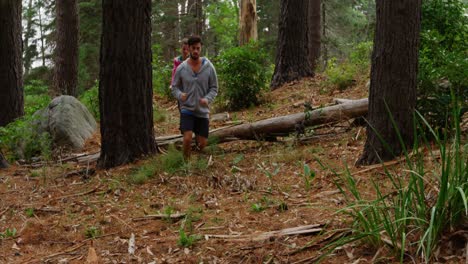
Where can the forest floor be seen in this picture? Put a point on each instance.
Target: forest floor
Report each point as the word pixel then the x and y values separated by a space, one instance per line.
pixel 228 210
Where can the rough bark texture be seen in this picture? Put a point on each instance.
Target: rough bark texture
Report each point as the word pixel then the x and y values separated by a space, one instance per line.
pixel 393 79
pixel 125 88
pixel 314 29
pixel 66 60
pixel 3 162
pixel 11 68
pixel 292 49
pixel 248 21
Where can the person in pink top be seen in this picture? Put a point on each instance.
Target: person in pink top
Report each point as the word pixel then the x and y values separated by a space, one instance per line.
pixel 179 59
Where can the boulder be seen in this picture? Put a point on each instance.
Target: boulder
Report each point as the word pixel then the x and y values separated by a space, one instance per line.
pixel 68 122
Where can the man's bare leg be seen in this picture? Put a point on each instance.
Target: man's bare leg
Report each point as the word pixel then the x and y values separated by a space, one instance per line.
pixel 187 144
pixel 202 142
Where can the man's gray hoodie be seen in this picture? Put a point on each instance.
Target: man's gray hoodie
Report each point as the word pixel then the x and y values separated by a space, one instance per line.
pixel 203 84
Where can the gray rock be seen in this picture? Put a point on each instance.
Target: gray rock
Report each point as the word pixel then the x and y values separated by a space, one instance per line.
pixel 68 121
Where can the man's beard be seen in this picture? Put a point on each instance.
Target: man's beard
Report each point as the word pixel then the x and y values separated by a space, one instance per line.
pixel 194 57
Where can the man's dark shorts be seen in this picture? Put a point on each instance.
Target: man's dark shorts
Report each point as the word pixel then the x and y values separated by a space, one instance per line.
pixel 199 125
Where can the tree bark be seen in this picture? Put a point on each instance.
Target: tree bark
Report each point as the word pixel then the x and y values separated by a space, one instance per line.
pixel 393 80
pixel 66 60
pixel 125 88
pixel 11 68
pixel 292 49
pixel 314 30
pixel 3 162
pixel 248 21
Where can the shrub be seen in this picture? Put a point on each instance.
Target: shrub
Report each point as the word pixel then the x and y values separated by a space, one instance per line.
pixel 162 72
pixel 36 97
pixel 21 140
pixel 244 72
pixel 90 99
pixel 343 75
pixel 443 59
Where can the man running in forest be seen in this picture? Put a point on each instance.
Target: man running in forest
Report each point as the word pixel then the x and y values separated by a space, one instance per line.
pixel 179 59
pixel 197 76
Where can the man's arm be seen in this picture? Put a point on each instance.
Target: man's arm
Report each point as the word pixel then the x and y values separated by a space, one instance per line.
pixel 212 85
pixel 176 84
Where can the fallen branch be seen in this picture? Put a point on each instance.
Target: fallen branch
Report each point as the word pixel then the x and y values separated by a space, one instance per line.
pixel 174 216
pixel 301 230
pixel 78 194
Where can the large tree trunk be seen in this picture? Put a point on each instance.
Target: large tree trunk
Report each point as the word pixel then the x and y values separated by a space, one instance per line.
pixel 314 29
pixel 3 162
pixel 393 80
pixel 66 57
pixel 125 88
pixel 292 48
pixel 247 21
pixel 11 68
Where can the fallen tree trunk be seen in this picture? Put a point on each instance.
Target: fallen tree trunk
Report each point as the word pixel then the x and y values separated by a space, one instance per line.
pixel 284 125
pixel 272 127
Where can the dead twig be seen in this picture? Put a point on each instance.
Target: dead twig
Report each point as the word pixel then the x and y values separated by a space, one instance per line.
pixel 78 194
pixel 174 216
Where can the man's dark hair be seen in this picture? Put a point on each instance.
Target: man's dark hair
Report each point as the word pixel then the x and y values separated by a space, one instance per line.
pixel 194 40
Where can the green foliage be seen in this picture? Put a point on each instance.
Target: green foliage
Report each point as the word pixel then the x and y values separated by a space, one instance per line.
pixel 308 176
pixel 29 212
pixel 224 23
pixel 8 233
pixel 90 99
pixel 244 72
pixel 92 232
pixel 173 161
pixel 144 173
pixel 22 140
pixel 36 97
pixel 443 63
pixel 185 240
pixel 413 216
pixel 257 207
pixel 162 72
pixel 343 75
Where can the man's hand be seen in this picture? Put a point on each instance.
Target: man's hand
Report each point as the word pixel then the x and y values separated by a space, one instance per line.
pixel 183 97
pixel 204 102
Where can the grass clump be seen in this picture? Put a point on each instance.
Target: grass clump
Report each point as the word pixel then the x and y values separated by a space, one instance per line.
pixel 421 206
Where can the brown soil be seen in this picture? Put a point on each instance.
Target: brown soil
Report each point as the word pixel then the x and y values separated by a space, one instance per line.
pixel 219 200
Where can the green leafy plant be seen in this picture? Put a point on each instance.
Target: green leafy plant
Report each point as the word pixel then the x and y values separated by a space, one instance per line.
pixel 244 72
pixel 343 74
pixel 185 240
pixel 8 233
pixel 442 60
pixel 90 99
pixel 29 212
pixel 162 71
pixel 308 176
pixel 92 232
pixel 22 139
pixel 257 207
